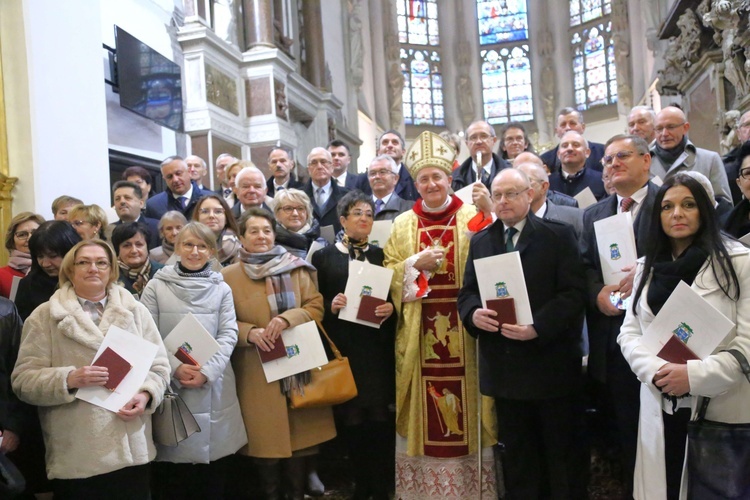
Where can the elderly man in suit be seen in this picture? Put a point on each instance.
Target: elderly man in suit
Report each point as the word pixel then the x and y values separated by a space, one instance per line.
pixel 571 119
pixel 533 370
pixel 542 206
pixel 481 138
pixel 181 194
pixel 281 166
pixel 383 175
pixel 251 191
pixel 628 159
pixel 222 163
pixel 323 192
pixel 392 144
pixel 673 152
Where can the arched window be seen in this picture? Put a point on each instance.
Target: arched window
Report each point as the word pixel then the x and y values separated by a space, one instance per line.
pixel 594 72
pixel 420 62
pixel 506 68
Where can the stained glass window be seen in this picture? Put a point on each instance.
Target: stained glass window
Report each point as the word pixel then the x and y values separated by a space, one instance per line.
pixel 583 11
pixel 502 21
pixel 417 22
pixel 506 68
pixel 594 71
pixel 423 87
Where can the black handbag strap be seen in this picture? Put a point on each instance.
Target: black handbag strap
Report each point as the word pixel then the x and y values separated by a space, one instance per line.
pixel 744 365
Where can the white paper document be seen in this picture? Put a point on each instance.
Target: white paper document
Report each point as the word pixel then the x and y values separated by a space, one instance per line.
pixel 615 242
pixel 304 350
pixel 502 276
pixel 14 288
pixel 381 231
pixel 745 240
pixel 195 340
pixel 328 234
pixel 657 180
pixel 364 279
pixel 464 194
pixel 585 198
pixel 316 245
pixel 138 352
pixel 696 322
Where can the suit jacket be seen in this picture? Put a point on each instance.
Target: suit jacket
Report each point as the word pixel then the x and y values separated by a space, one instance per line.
pixel 548 366
pixel 603 330
pixel 465 174
pixel 352 181
pixel 395 207
pixel 590 178
pixel 699 160
pixel 327 214
pixel 161 203
pixel 561 199
pixel 593 162
pixel 404 188
pixel 293 183
pixel 732 168
pixel 569 215
pixel 154 239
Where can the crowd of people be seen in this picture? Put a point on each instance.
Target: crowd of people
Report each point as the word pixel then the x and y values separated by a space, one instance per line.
pixel 442 381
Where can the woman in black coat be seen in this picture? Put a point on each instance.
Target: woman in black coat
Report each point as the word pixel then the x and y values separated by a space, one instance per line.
pixel 366 420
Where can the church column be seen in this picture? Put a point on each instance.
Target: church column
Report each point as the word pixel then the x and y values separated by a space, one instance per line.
pixel 313 34
pixel 258 18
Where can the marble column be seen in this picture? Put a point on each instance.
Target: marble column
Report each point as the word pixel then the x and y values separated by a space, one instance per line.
pixel 258 18
pixel 314 70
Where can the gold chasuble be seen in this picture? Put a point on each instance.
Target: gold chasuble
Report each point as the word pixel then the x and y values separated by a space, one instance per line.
pixel 436 366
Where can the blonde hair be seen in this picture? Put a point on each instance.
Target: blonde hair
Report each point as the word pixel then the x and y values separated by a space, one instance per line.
pixel 93 214
pixel 68 262
pixel 295 196
pixel 200 231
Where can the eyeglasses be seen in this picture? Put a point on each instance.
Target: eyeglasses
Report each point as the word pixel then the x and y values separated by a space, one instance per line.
pixel 379 173
pixel 23 235
pixel 79 223
pixel 669 128
pixel 509 196
pixel 620 155
pixel 101 265
pixel 188 247
pixel 290 210
pixel 480 137
pixel 209 211
pixel 745 173
pixel 360 213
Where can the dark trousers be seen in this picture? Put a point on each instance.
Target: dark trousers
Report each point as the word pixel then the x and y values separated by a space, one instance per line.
pixel 190 481
pixel 544 453
pixel 675 435
pixel 130 483
pixel 624 389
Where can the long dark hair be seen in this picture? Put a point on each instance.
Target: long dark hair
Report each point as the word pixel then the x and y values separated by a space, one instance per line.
pixel 55 237
pixel 708 238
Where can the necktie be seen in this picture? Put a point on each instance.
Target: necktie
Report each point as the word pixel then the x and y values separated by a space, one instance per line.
pixel 626 204
pixel 319 197
pixel 509 233
pixel 378 205
pixel 485 177
pixel 227 192
pixel 183 201
pixel 95 310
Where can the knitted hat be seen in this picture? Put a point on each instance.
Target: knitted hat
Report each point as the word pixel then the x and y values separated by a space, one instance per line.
pixel 429 150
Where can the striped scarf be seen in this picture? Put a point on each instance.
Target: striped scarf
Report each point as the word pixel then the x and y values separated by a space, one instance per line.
pixel 139 275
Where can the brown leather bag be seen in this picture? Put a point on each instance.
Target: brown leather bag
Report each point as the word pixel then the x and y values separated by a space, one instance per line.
pixel 331 384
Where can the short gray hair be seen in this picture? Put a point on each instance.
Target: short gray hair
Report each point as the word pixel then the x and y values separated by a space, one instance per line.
pixel 391 163
pixel 247 171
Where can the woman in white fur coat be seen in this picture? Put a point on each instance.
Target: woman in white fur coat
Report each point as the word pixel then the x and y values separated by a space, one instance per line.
pixel 685 245
pixel 91 452
pixel 198 466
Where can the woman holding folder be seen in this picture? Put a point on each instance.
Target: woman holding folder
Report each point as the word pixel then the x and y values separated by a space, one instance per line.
pixel 91 452
pixel 273 290
pixel 198 466
pixel 367 423
pixel 685 244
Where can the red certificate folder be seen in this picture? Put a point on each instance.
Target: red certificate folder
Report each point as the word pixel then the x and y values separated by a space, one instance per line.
pixel 117 366
pixel 185 357
pixel 278 351
pixel 676 351
pixel 367 306
pixel 505 308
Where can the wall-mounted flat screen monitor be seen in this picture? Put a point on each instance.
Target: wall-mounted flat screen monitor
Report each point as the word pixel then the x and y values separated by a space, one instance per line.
pixel 149 83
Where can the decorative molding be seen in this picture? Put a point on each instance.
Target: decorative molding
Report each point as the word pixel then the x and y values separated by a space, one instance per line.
pixel 621 39
pixel 221 90
pixel 683 51
pixel 356 45
pixel 395 79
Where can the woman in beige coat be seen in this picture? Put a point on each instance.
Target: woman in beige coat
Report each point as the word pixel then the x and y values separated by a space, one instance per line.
pixel 276 434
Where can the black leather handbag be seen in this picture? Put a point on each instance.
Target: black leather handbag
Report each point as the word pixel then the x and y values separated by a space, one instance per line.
pixel 718 454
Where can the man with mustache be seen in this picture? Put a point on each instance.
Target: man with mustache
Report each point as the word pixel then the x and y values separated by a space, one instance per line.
pixel 128 203
pixel 280 164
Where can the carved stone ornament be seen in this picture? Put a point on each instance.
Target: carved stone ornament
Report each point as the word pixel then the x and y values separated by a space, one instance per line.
pixel 730 140
pixel 683 51
pixel 221 90
pixel 393 62
pixel 724 17
pixel 548 82
pixel 280 95
pixel 621 38
pixel 356 46
pixel 464 87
